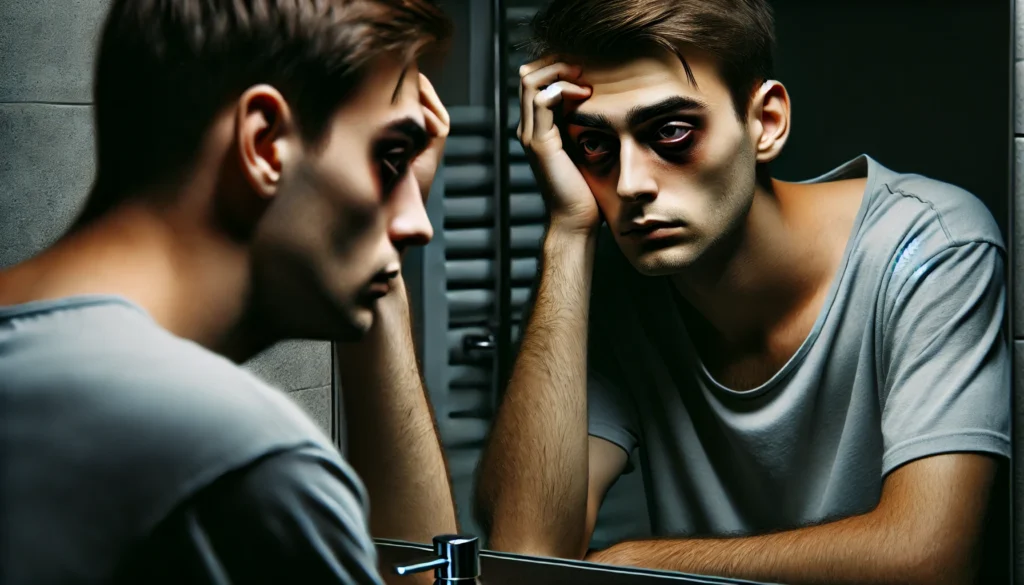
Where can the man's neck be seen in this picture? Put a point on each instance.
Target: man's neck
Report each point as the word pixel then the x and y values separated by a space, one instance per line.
pixel 191 281
pixel 754 281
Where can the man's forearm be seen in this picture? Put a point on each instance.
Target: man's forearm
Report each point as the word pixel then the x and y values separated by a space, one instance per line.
pixel 533 480
pixel 862 550
pixel 392 437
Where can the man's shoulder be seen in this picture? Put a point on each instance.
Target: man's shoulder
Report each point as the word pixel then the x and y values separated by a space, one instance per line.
pixel 103 352
pixel 136 396
pixel 930 211
pixel 121 421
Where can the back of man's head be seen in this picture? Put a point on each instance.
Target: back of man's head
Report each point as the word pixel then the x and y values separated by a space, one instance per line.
pixel 739 34
pixel 166 68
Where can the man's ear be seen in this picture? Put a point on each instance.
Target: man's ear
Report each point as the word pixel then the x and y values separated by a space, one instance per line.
pixel 768 119
pixel 265 138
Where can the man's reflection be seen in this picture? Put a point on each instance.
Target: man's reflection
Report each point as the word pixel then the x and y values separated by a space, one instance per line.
pixel 815 373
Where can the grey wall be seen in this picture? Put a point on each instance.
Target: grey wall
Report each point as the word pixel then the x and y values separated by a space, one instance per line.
pixel 47 162
pixel 1017 308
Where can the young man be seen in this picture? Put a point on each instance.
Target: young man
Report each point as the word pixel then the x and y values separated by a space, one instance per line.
pixel 816 373
pixel 261 168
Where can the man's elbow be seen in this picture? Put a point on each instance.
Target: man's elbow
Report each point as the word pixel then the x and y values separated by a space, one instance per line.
pixel 932 563
pixel 509 534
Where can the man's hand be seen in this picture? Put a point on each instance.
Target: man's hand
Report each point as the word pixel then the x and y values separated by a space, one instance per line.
pixel 438 124
pixel 545 85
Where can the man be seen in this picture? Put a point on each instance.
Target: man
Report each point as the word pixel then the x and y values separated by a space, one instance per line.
pixel 815 373
pixel 261 168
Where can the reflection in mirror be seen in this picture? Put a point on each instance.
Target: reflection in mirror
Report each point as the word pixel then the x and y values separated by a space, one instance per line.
pixel 765 337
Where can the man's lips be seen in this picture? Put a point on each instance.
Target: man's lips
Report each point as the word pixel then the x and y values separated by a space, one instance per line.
pixel 381 284
pixel 379 289
pixel 650 227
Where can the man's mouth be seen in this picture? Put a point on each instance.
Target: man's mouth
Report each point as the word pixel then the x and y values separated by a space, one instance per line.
pixel 383 282
pixel 653 229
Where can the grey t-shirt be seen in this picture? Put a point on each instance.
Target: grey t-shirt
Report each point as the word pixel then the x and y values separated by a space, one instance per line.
pixel 129 455
pixel 907 359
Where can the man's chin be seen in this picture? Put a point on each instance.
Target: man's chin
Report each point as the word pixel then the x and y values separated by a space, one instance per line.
pixel 360 321
pixel 664 262
pixel 352 324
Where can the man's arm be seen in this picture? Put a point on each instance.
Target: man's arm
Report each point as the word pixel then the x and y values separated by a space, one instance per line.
pixel 392 437
pixel 533 478
pixel 532 488
pixel 925 530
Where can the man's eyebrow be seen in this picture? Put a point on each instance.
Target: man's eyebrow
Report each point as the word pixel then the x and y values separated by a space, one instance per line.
pixel 588 120
pixel 412 130
pixel 642 114
pixel 638 115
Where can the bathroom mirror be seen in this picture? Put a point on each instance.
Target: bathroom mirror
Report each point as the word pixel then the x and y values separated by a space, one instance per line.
pixel 921 86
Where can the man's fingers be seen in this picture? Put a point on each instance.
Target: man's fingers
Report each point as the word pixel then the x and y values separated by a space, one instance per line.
pixel 546 100
pixel 530 68
pixel 435 125
pixel 559 91
pixel 545 76
pixel 432 103
pixel 536 76
pixel 535 65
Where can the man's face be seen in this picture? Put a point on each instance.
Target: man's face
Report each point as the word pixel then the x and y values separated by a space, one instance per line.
pixel 330 244
pixel 671 165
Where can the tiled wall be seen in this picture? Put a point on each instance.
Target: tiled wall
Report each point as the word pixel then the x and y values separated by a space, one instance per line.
pixel 47 163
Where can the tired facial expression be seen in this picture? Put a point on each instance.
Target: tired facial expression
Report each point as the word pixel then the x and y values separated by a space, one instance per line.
pixel 329 245
pixel 671 164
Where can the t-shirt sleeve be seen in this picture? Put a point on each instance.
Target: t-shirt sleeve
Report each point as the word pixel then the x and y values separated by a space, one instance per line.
pixel 611 412
pixel 611 415
pixel 945 361
pixel 292 517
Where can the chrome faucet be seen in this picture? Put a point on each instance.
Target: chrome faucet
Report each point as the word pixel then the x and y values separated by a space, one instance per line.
pixel 456 561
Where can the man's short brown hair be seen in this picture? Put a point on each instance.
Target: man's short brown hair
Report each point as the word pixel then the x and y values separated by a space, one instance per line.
pixel 739 34
pixel 166 67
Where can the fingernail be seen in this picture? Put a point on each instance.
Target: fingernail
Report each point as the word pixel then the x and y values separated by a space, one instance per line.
pixel 551 92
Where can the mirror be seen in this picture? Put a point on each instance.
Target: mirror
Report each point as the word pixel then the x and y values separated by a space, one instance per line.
pixel 920 87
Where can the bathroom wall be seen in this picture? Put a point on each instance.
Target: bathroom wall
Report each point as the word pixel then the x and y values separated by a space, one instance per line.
pixel 47 162
pixel 1017 284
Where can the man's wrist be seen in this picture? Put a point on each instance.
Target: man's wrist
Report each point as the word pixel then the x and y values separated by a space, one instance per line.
pixel 562 234
pixel 392 321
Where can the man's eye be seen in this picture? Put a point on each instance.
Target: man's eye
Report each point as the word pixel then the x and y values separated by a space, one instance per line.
pixel 593 146
pixel 394 164
pixel 673 133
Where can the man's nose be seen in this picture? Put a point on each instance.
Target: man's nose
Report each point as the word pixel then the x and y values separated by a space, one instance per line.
pixel 409 224
pixel 636 181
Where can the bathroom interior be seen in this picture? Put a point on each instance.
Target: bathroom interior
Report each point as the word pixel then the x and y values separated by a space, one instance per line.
pixel 923 86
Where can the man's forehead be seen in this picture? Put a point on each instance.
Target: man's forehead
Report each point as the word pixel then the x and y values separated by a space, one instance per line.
pixel 405 96
pixel 646 81
pixel 408 85
pixel 387 83
pixel 389 92
pixel 643 104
